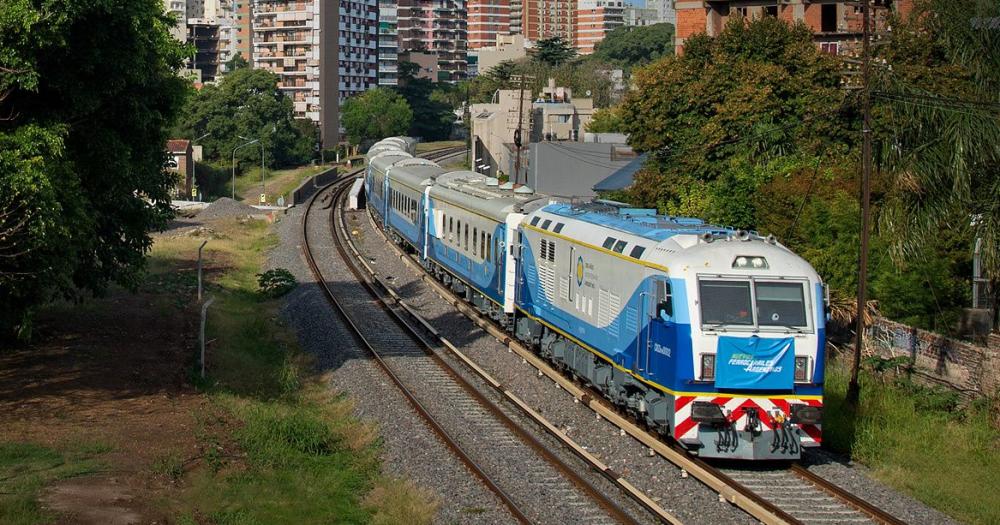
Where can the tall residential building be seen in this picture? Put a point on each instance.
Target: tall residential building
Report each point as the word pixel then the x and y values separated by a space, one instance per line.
pixel 438 27
pixel 487 19
pixel 207 25
pixel 665 11
pixel 595 19
pixel 836 24
pixel 388 43
pixel 297 40
pixel 517 17
pixel 358 38
pixel 243 33
pixel 548 18
pixel 639 16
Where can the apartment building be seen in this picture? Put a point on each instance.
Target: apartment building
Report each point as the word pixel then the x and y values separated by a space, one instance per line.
pixel 548 18
pixel 593 20
pixel 297 40
pixel 486 20
pixel 438 27
pixel 242 29
pixel 503 48
pixel 836 24
pixel 641 16
pixel 664 10
pixel 388 43
pixel 208 26
pixel 358 39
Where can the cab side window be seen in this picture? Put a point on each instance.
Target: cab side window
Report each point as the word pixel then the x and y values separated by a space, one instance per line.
pixel 664 301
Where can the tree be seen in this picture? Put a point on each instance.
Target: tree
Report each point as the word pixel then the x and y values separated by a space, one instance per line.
pixel 608 120
pixel 432 115
pixel 87 90
pixel 939 130
pixel 554 51
pixel 237 62
pixel 375 114
pixel 735 103
pixel 629 47
pixel 248 103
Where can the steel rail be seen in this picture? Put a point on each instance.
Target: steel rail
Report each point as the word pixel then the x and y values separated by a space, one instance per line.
pixel 435 426
pixel 727 488
pixel 373 283
pixel 643 500
pixel 873 512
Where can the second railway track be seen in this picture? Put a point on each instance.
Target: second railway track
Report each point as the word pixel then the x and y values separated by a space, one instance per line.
pixel 531 480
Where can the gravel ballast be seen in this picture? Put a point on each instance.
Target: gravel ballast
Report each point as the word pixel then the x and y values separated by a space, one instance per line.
pixel 687 498
pixel 415 453
pixel 226 207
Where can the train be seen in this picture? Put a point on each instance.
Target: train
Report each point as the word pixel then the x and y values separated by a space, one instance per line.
pixel 711 336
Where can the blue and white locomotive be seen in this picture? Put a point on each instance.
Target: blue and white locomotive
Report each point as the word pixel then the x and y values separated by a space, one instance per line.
pixel 711 336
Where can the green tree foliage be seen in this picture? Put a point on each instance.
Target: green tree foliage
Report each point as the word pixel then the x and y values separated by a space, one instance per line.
pixel 237 62
pixel 730 106
pixel 248 103
pixel 554 51
pixel 627 47
pixel 938 126
pixel 86 92
pixel 580 75
pixel 432 114
pixel 375 114
pixel 608 120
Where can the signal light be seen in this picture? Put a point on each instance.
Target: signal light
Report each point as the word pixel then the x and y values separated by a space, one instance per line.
pixel 708 367
pixel 801 369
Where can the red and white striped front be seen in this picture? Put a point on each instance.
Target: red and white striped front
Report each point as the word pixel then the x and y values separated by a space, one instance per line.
pixel 734 408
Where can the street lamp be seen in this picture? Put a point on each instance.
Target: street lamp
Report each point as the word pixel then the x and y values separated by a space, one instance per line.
pixel 241 146
pixel 261 161
pixel 194 163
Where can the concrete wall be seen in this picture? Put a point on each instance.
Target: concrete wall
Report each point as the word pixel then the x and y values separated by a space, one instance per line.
pixel 970 369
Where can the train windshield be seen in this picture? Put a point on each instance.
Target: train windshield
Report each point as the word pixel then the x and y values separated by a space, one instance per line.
pixel 780 304
pixel 726 302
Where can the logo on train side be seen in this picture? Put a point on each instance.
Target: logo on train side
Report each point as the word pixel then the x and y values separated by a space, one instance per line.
pixel 579 271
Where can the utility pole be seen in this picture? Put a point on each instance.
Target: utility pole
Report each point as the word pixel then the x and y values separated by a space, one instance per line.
pixel 517 133
pixel 853 388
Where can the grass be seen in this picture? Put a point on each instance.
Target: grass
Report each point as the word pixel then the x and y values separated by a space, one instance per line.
pixel 26 468
pixel 302 456
pixel 276 182
pixel 921 441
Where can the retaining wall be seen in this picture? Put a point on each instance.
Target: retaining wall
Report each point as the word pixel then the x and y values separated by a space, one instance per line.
pixel 310 185
pixel 972 370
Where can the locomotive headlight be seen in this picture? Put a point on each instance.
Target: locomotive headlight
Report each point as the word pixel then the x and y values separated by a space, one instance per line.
pixel 747 261
pixel 806 414
pixel 801 369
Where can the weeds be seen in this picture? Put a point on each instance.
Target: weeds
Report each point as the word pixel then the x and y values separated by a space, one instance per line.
pixel 303 457
pixel 919 440
pixel 170 466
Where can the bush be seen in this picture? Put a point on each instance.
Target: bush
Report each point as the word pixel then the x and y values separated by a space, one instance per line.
pixel 276 282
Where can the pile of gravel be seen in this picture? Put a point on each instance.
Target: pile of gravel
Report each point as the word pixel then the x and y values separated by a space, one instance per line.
pixel 226 207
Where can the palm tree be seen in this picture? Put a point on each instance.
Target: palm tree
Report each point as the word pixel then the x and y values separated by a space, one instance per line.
pixel 939 127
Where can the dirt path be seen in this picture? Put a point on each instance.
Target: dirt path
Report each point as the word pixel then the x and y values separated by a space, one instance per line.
pixel 112 373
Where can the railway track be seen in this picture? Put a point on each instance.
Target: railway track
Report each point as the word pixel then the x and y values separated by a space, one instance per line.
pixel 466 420
pixel 788 494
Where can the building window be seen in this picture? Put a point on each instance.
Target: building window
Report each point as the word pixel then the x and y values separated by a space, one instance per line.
pixel 828 18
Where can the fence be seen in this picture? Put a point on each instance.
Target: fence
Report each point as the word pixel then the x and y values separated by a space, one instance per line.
pixel 970 369
pixel 310 185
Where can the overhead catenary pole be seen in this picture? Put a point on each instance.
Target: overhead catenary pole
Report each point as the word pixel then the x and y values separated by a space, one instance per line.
pixel 853 388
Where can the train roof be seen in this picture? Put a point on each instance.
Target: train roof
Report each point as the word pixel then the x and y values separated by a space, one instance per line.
pixel 485 195
pixel 415 175
pixel 636 221
pixel 385 159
